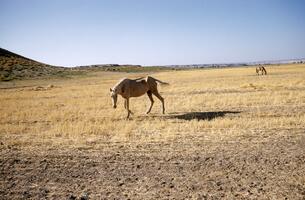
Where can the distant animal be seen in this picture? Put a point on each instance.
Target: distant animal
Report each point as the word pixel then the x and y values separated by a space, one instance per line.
pixel 261 69
pixel 128 88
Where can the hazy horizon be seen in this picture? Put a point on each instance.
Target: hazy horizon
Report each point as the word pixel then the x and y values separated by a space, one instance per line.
pixel 74 33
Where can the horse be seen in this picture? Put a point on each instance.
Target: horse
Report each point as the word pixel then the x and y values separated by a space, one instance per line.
pixel 128 88
pixel 261 69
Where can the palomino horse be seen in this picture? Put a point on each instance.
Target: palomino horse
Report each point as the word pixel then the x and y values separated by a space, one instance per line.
pixel 134 88
pixel 261 69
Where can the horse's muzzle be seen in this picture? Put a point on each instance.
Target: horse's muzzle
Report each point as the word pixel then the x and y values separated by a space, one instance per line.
pixel 114 106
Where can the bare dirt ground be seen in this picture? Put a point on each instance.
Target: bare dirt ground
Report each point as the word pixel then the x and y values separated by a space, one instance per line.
pixel 268 166
pixel 225 151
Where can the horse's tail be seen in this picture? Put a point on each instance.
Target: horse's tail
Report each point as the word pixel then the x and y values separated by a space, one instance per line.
pixel 161 82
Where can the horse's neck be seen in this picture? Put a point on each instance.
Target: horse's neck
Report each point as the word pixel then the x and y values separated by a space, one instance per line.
pixel 119 86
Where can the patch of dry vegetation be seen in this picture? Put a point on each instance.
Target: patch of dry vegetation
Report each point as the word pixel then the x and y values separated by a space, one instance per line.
pixel 227 101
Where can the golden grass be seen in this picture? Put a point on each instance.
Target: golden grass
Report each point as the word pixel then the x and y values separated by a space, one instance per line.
pixel 77 112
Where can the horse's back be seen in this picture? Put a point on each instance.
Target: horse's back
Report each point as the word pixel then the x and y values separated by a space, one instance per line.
pixel 137 87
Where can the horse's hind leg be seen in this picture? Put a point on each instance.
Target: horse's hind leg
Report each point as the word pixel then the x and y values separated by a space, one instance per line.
pixel 149 94
pixel 156 93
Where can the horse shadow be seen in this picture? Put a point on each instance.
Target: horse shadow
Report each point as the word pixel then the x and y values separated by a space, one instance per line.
pixel 201 115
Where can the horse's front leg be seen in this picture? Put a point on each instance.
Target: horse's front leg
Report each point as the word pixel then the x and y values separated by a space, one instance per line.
pixel 127 108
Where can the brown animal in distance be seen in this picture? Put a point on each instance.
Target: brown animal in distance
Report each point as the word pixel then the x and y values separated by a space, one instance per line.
pixel 128 88
pixel 261 69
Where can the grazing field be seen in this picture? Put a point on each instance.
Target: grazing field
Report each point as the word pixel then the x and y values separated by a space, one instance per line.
pixel 226 134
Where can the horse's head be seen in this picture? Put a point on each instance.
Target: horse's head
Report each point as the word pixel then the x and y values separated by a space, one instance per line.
pixel 114 97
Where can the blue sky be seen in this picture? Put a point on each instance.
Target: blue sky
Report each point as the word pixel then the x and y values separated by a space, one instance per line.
pixel 153 32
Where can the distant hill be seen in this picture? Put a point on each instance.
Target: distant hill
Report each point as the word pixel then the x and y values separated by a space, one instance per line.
pixel 119 68
pixel 14 66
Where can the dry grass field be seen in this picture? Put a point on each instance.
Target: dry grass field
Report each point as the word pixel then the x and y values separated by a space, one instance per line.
pixel 226 134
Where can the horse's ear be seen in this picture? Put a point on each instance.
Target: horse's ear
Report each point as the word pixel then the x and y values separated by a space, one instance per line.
pixel 110 89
